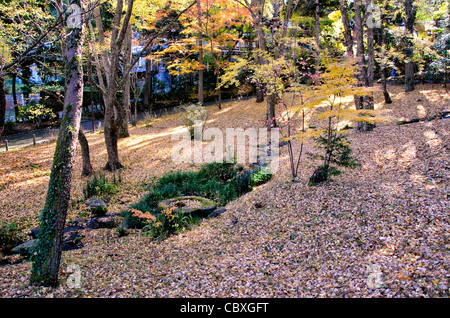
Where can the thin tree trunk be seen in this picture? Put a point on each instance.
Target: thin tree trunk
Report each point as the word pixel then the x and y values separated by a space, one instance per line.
pixel 368 99
pixel 47 256
pixel 87 167
pixel 362 74
pixel 387 97
pixel 317 34
pixel 409 51
pixel 14 95
pixel 347 28
pixel 113 110
pixel 257 14
pixel 200 53
pixel 2 100
pixel 123 129
pixel 148 86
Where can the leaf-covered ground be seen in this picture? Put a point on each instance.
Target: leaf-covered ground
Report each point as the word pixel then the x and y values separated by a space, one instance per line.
pixel 380 230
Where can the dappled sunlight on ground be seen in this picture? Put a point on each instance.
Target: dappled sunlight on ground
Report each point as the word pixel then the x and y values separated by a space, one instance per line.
pixel 304 241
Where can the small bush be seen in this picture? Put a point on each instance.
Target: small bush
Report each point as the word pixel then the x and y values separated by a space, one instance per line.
pixel 100 185
pixel 10 236
pixel 223 171
pixel 166 222
pixel 260 176
pixel 36 113
pixel 9 126
pixel 337 154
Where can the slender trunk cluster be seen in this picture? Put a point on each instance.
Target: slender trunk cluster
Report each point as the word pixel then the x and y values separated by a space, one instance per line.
pixel 116 114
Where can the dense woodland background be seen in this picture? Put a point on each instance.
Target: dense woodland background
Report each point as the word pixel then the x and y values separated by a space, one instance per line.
pixel 357 90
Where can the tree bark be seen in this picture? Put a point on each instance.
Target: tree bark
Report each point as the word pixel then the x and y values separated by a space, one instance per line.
pixel 87 167
pixel 47 256
pixel 370 74
pixel 2 100
pixel 114 111
pixel 123 129
pixel 200 53
pixel 317 34
pixel 347 28
pixel 14 95
pixel 257 13
pixel 148 86
pixel 387 97
pixel 362 74
pixel 409 51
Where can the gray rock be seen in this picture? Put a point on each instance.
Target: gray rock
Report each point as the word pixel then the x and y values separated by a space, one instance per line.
pixel 104 222
pixel 25 248
pixel 97 206
pixel 34 232
pixel 217 212
pixel 96 202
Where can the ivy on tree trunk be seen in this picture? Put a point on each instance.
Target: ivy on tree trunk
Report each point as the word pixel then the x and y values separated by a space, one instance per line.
pixel 47 255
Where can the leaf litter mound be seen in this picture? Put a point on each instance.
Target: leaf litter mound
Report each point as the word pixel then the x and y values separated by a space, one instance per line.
pixel 380 230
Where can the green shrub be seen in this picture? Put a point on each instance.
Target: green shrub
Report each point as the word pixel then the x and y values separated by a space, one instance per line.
pixel 337 154
pixel 10 236
pixel 260 176
pixel 36 113
pixel 99 184
pixel 9 125
pixel 132 222
pixel 222 171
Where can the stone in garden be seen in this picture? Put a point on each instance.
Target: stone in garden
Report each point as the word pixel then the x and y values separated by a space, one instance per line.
pixel 25 248
pixel 104 222
pixel 97 206
pixel 217 212
pixel 193 205
pixel 72 241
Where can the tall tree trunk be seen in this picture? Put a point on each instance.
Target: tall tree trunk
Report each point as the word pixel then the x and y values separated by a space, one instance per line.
pixel 2 100
pixel 114 111
pixel 317 34
pixel 387 97
pixel 123 129
pixel 87 167
pixel 362 74
pixel 347 28
pixel 409 51
pixel 47 256
pixel 368 100
pixel 148 86
pixel 257 14
pixel 14 95
pixel 200 53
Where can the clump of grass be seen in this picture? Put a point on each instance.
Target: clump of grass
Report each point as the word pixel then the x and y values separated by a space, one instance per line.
pixel 100 185
pixel 10 236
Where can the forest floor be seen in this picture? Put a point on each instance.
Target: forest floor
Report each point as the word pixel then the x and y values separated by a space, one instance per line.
pixel 378 230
